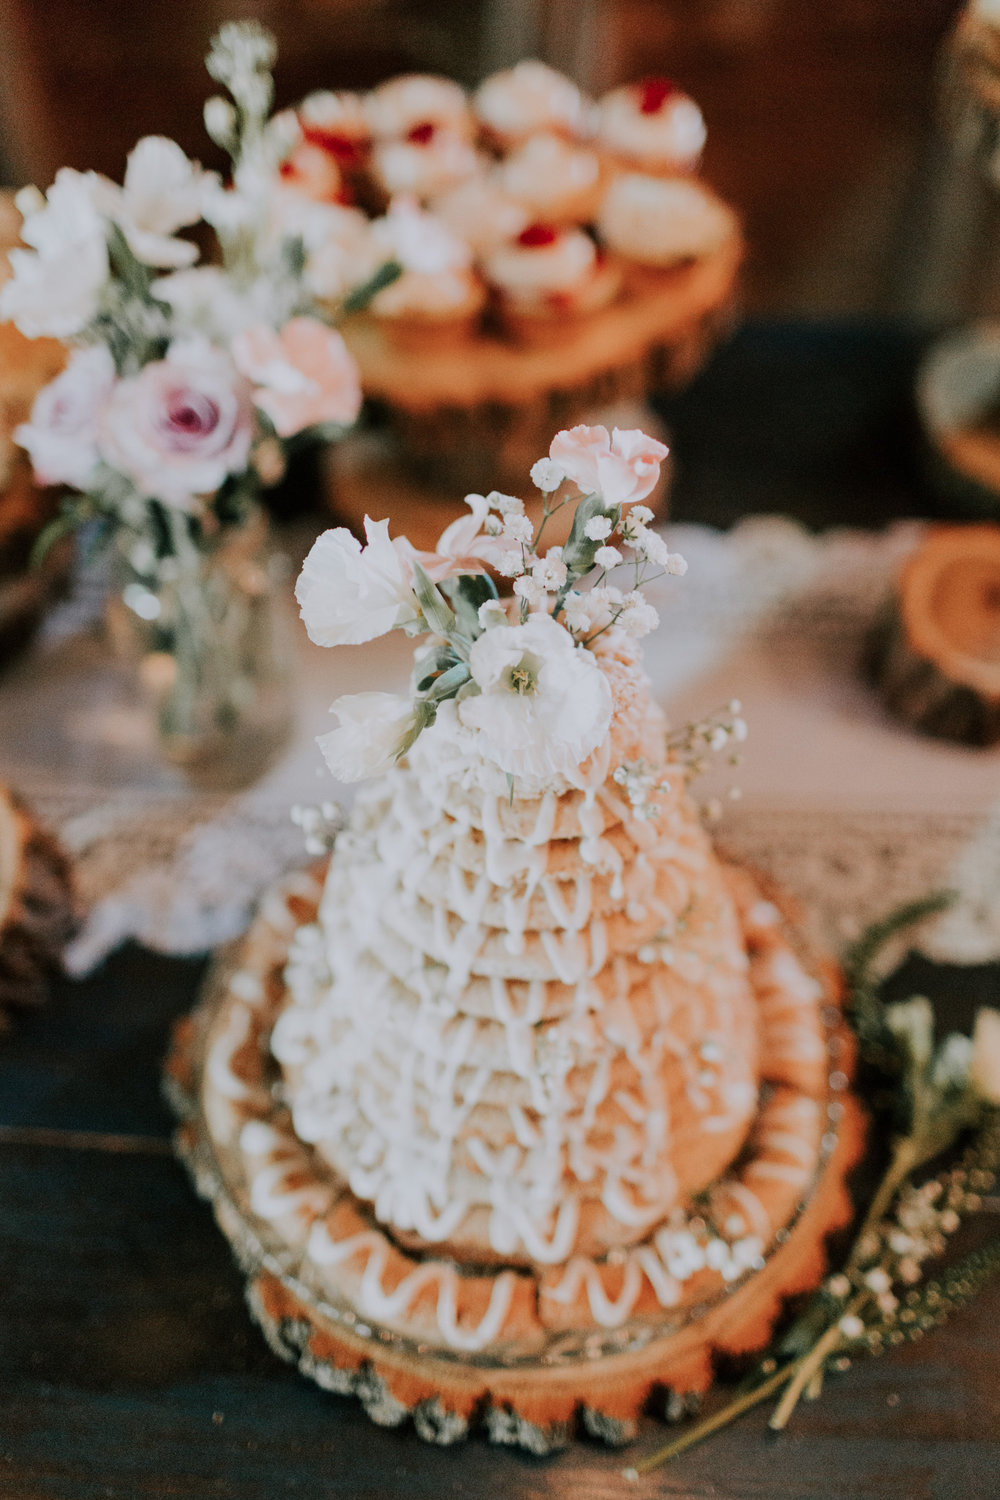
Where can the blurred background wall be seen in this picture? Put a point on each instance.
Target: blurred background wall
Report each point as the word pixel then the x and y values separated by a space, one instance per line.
pixel 821 117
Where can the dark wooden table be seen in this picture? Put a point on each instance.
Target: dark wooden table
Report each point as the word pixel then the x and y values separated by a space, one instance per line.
pixel 128 1364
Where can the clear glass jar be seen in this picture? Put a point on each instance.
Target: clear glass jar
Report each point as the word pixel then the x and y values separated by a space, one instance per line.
pixel 213 659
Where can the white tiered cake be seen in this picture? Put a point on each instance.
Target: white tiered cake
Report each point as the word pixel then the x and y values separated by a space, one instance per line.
pixel 534 1104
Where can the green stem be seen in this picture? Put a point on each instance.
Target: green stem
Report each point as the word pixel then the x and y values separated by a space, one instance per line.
pixel 811 1364
pixel 721 1418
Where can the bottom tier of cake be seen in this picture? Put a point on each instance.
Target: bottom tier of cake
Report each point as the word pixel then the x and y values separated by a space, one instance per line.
pixel 526 1354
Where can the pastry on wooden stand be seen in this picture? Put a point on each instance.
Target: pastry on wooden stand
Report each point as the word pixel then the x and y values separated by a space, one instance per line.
pixel 526 1106
pixel 36 906
pixel 935 655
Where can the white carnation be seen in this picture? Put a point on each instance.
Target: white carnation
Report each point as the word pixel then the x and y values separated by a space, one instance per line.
pixel 544 704
pixel 369 736
pixel 349 594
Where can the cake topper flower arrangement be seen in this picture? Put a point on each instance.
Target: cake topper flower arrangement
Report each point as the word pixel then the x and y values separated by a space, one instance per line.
pixel 517 682
pixel 187 376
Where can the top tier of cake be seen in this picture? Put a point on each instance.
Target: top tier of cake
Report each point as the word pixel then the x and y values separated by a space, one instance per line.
pixel 522 1026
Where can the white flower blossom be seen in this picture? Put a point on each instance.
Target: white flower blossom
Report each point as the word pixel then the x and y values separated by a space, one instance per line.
pixel 638 617
pixel 530 590
pixel 597 529
pixel 163 191
pixel 604 602
pixel 61 436
pixel 576 612
pixel 546 475
pixel 220 121
pixel 369 736
pixel 519 529
pixel 550 572
pixel 607 557
pixel 640 514
pixel 676 565
pixel 349 594
pixel 507 505
pixel 55 288
pixel 544 704
pixel 510 564
pixel 491 613
pixel 651 546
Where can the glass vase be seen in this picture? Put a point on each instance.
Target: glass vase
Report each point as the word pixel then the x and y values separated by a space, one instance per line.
pixel 213 658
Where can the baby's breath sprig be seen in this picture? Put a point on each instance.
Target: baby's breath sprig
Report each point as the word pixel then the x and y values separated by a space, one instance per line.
pixel 876 1301
pixel 320 825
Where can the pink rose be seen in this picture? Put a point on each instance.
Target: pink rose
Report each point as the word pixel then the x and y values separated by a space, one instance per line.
pixel 621 468
pixel 302 376
pixel 61 437
pixel 180 426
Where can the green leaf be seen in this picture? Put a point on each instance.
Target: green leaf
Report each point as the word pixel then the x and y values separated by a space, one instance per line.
pixel 578 553
pixel 448 684
pixel 136 277
pixel 433 606
pixel 468 592
pixel 359 299
pixel 424 714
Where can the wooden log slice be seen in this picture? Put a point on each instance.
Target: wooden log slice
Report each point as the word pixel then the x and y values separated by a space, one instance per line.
pixel 935 654
pixel 36 906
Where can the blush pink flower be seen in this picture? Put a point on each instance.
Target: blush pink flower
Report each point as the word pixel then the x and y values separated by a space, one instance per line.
pixel 302 376
pixel 621 468
pixel 181 426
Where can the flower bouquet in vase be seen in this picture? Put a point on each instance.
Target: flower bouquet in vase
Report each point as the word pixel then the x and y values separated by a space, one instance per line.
pixel 189 379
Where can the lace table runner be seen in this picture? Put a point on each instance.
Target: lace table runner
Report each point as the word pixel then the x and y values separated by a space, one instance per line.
pixel 848 810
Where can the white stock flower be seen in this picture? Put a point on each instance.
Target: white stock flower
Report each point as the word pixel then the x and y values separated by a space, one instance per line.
pixel 546 475
pixel 984 1069
pixel 61 435
pixel 348 594
pixel 597 529
pixel 368 738
pixel 544 703
pixel 163 191
pixel 56 286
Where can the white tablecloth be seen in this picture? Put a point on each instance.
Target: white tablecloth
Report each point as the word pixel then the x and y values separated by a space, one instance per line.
pixel 849 810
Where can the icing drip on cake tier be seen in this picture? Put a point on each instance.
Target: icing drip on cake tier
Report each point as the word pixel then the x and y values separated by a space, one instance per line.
pixel 522 1028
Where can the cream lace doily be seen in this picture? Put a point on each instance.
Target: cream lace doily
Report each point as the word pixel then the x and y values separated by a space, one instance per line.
pixel 848 810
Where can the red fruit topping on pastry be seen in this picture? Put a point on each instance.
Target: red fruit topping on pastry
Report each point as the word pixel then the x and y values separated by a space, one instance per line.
pixel 654 93
pixel 538 235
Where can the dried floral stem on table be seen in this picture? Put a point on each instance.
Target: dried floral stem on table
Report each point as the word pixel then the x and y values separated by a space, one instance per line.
pixel 879 1298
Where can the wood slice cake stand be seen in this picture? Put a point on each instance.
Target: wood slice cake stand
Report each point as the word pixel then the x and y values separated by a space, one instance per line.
pixel 36 906
pixel 318 1263
pixel 476 416
pixel 935 654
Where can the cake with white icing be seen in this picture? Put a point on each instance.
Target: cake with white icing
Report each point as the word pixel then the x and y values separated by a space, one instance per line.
pixel 527 1072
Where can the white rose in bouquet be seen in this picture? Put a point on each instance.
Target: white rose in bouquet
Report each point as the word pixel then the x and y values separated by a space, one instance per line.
pixel 61 437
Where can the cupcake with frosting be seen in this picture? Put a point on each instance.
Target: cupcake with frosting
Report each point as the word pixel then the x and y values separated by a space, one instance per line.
pixel 437 299
pixel 402 104
pixel 481 213
pixel 427 161
pixel 554 180
pixel 654 225
pixel 526 99
pixel 650 127
pixel 336 123
pixel 548 281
